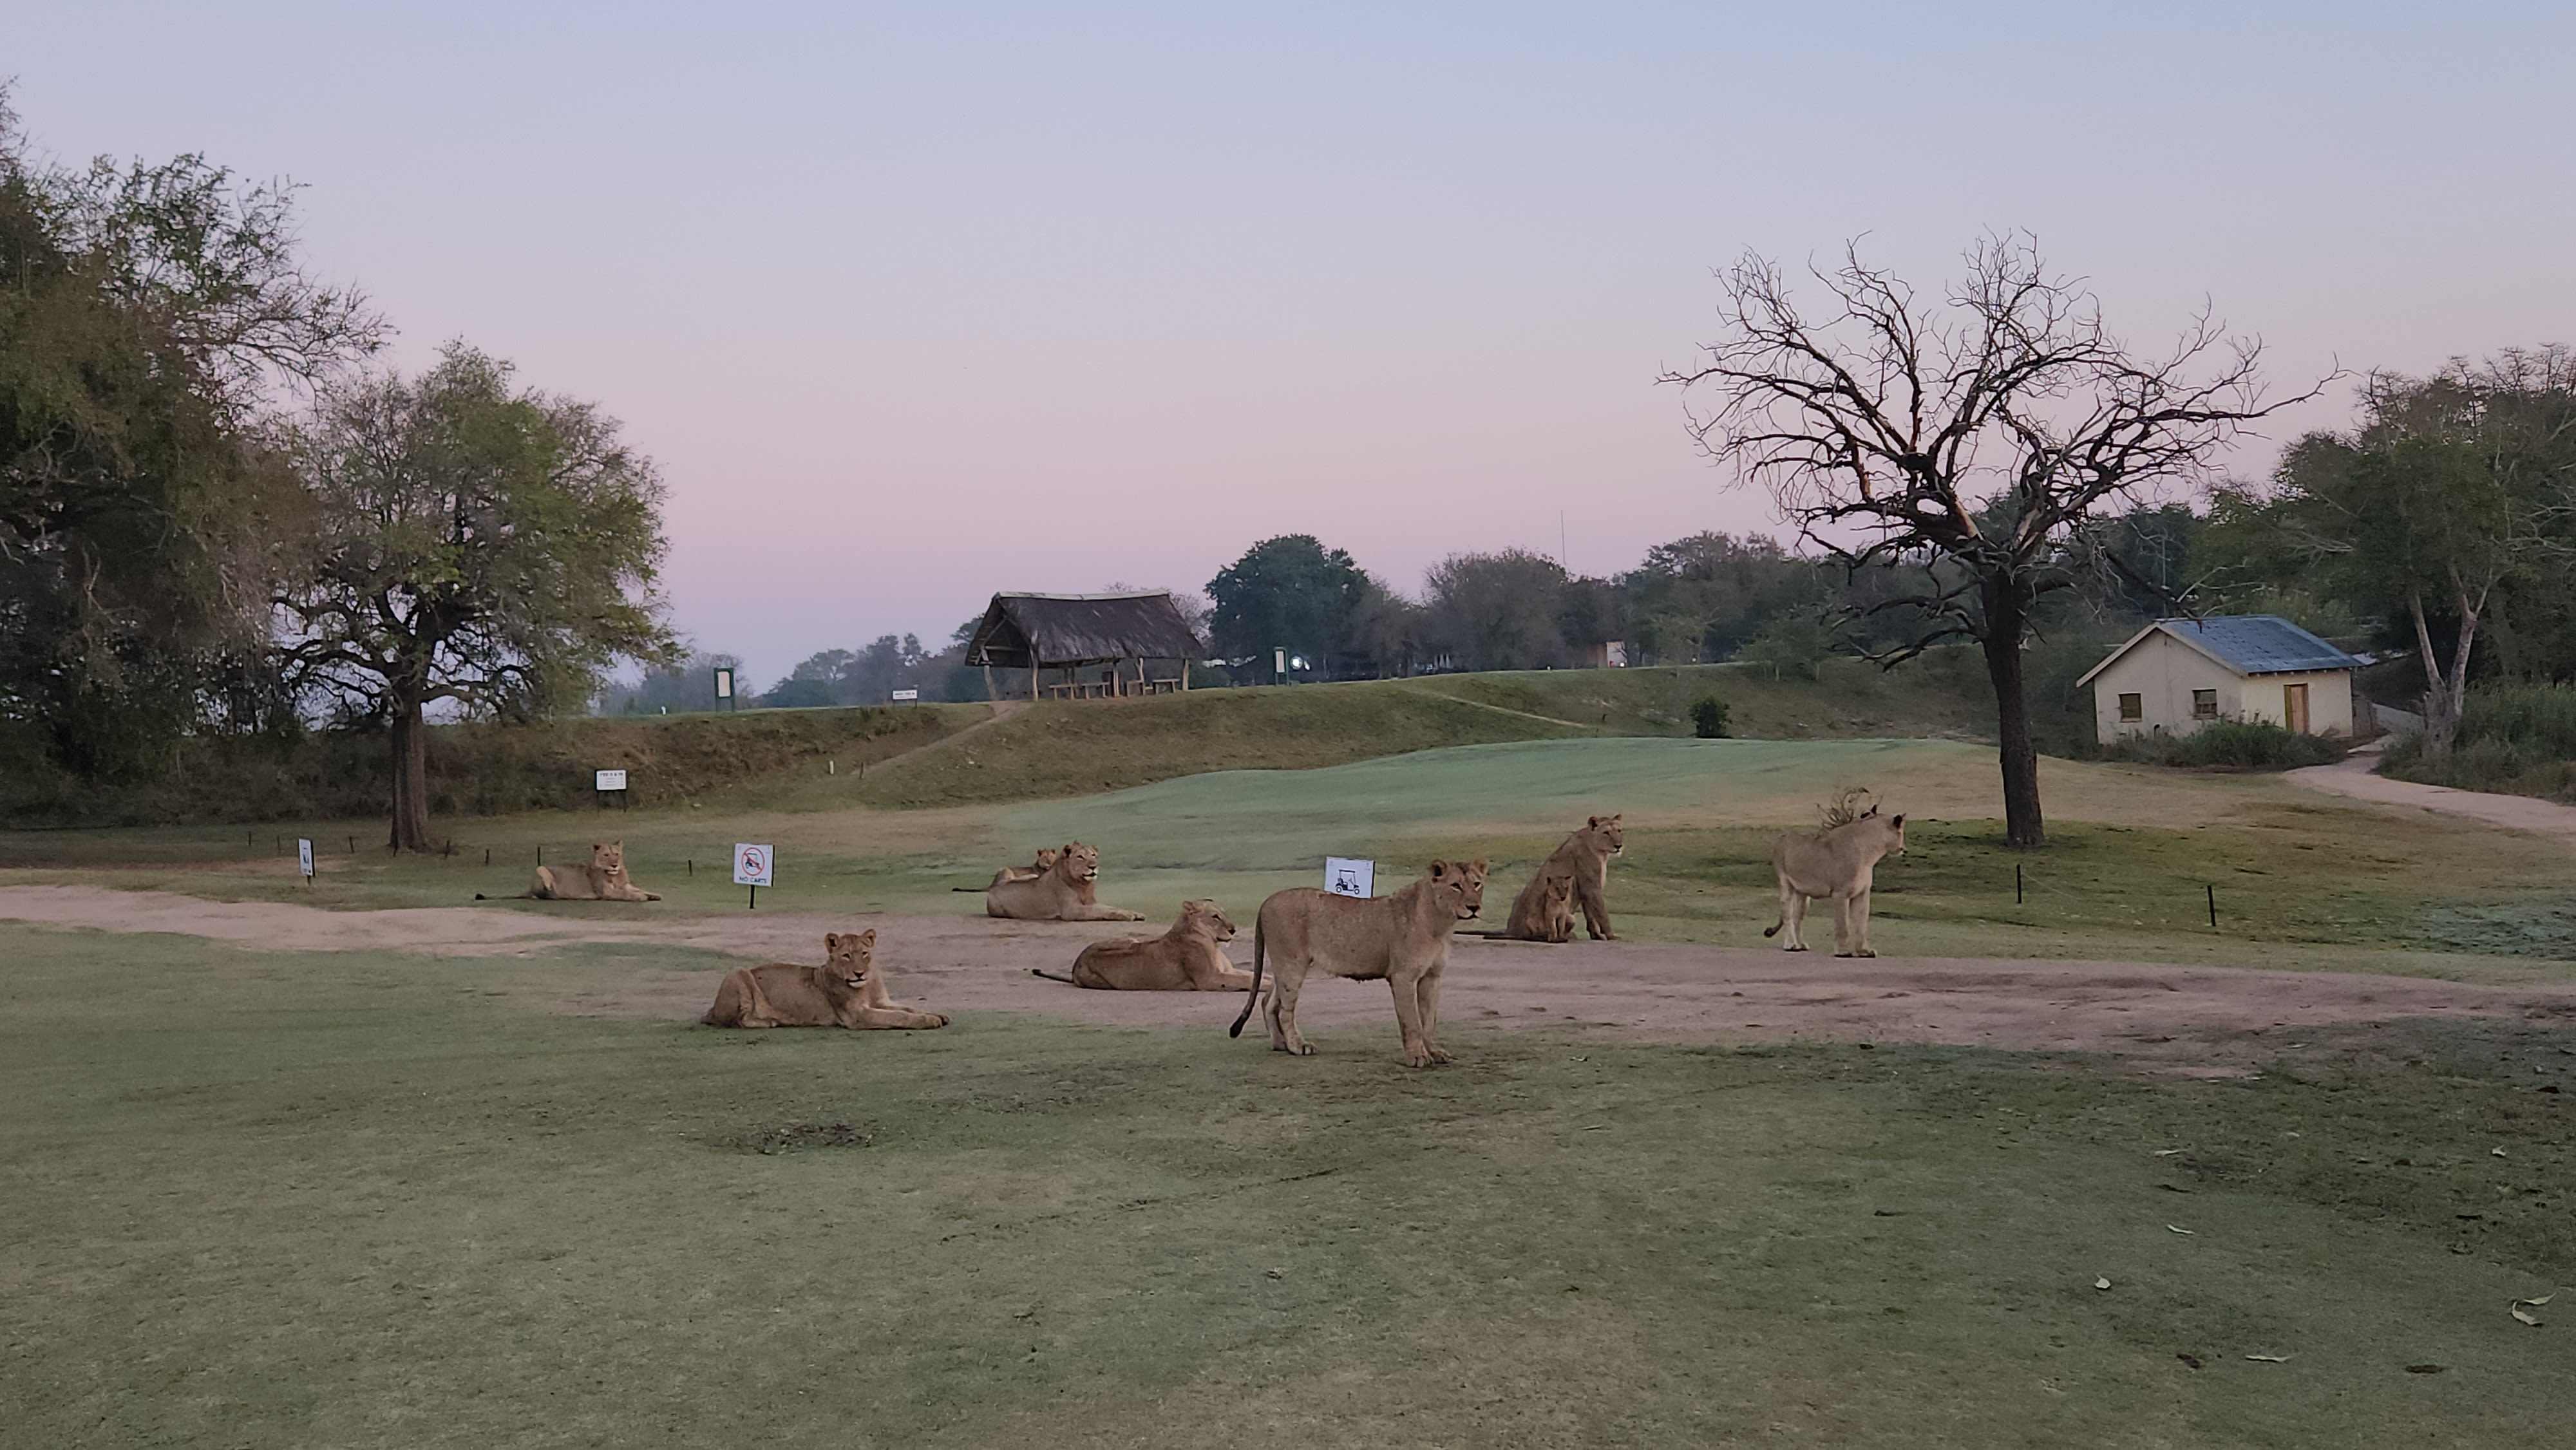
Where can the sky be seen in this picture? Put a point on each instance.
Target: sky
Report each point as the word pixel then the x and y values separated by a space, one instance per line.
pixel 915 303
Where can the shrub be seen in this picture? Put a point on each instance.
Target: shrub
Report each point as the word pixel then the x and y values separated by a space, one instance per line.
pixel 1708 717
pixel 2519 739
pixel 2231 744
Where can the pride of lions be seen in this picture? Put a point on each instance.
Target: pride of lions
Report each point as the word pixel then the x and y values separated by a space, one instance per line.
pixel 1401 939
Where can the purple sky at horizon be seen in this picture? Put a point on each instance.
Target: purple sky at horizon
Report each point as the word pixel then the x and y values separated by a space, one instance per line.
pixel 915 305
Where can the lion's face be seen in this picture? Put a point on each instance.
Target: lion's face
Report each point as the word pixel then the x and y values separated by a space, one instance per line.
pixel 1080 862
pixel 1208 917
pixel 1048 856
pixel 847 960
pixel 1460 885
pixel 1607 836
pixel 608 857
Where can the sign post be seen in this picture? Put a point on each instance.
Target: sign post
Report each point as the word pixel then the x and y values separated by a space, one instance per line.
pixel 1346 877
pixel 906 697
pixel 304 858
pixel 724 687
pixel 1279 667
pixel 753 866
pixel 606 782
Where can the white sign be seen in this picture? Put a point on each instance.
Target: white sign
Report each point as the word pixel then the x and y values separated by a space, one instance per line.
pixel 610 780
pixel 752 865
pixel 304 856
pixel 1615 654
pixel 902 695
pixel 1344 877
pixel 724 684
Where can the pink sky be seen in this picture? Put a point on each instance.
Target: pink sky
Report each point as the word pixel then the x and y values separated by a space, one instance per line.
pixel 913 307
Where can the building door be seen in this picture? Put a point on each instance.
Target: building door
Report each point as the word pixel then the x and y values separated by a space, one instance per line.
pixel 2294 707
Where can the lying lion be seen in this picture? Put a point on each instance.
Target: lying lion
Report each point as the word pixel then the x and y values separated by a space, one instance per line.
pixel 1838 862
pixel 1583 865
pixel 1188 958
pixel 604 879
pixel 1403 938
pixel 846 991
pixel 1064 892
pixel 1046 858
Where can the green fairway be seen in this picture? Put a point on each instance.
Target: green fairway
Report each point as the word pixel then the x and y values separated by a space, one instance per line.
pixel 353 1201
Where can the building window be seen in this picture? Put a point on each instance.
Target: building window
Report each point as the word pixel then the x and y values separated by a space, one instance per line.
pixel 2133 707
pixel 2204 704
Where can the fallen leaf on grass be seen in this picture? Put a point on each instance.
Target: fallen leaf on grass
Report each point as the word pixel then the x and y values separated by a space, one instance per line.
pixel 2101 1283
pixel 2526 1316
pixel 2269 1358
pixel 2499 1152
pixel 2423 1369
pixel 2185 1232
pixel 2169 1152
pixel 2543 1299
pixel 2192 1360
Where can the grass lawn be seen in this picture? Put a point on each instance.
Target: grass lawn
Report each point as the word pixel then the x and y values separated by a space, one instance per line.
pixel 344 1200
pixel 2299 879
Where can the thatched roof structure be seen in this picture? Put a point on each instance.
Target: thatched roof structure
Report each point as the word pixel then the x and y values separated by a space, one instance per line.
pixel 1049 631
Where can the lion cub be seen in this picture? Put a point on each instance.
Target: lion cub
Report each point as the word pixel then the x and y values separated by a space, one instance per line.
pixel 1046 859
pixel 846 991
pixel 1188 958
pixel 1581 868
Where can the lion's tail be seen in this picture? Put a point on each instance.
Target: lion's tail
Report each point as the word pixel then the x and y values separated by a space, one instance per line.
pixel 1253 996
pixel 1050 976
pixel 1774 928
pixel 970 888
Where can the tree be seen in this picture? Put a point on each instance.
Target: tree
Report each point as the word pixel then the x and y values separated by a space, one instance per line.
pixel 152 313
pixel 1498 611
pixel 1885 427
pixel 1698 598
pixel 2448 499
pixel 1287 593
pixel 472 543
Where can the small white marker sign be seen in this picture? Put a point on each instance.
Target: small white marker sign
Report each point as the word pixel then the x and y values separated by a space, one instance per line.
pixel 609 780
pixel 304 857
pixel 1346 877
pixel 752 865
pixel 903 696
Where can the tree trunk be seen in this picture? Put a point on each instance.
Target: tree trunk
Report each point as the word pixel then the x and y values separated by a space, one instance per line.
pixel 411 774
pixel 2445 691
pixel 2005 621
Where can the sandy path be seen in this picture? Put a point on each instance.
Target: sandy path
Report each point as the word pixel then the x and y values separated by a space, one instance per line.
pixel 2352 777
pixel 957 964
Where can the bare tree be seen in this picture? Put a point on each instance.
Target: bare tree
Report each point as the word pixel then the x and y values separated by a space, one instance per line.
pixel 1967 439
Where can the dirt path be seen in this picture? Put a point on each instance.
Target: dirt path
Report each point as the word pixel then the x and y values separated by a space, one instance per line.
pixel 2352 777
pixel 2188 1016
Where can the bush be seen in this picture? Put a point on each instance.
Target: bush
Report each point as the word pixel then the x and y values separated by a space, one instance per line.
pixel 2519 739
pixel 2230 744
pixel 2539 721
pixel 1708 717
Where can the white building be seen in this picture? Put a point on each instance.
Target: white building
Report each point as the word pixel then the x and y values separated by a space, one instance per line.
pixel 2177 675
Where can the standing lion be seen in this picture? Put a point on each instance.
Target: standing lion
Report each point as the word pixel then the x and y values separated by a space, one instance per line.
pixel 1584 863
pixel 1402 939
pixel 1838 863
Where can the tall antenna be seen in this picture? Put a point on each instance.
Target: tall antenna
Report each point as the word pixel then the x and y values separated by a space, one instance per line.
pixel 1560 542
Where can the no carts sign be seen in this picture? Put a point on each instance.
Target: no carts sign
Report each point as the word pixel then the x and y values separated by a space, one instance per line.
pixel 752 865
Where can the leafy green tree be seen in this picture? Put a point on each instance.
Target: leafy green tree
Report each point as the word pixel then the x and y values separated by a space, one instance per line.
pixel 151 315
pixel 473 544
pixel 1698 598
pixel 1289 592
pixel 1501 611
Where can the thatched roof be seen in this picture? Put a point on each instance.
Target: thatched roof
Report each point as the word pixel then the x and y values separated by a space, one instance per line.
pixel 1052 630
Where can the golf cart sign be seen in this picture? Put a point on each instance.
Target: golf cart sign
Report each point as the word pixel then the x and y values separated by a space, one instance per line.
pixel 752 867
pixel 608 780
pixel 304 858
pixel 1345 877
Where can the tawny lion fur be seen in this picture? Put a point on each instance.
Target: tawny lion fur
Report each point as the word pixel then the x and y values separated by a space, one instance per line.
pixel 1063 893
pixel 848 990
pixel 1403 938
pixel 1188 958
pixel 1046 858
pixel 1836 863
pixel 1583 862
pixel 604 879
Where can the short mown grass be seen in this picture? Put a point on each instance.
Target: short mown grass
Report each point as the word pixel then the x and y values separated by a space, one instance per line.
pixel 364 1201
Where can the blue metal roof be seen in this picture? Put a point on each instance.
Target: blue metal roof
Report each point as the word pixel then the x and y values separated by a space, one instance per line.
pixel 2259 644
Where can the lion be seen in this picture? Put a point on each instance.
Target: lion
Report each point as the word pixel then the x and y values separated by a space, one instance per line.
pixel 1046 858
pixel 1188 958
pixel 1403 938
pixel 848 990
pixel 1062 893
pixel 1839 862
pixel 604 879
pixel 1584 862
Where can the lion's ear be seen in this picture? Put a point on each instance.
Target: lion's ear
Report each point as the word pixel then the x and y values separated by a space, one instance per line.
pixel 1481 862
pixel 1439 870
pixel 1898 822
pixel 831 942
pixel 1597 822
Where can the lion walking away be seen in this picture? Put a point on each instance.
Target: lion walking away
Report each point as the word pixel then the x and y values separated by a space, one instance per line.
pixel 1837 863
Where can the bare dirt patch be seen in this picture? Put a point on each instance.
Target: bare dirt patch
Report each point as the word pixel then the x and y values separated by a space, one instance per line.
pixel 2219 1017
